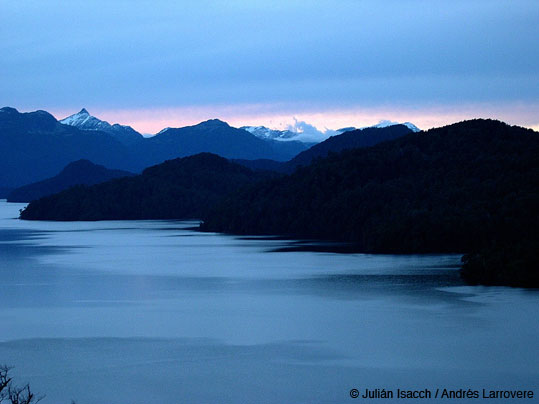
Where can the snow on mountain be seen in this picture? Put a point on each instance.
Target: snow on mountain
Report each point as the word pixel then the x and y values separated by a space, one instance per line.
pixel 270 134
pixel 163 130
pixel 382 124
pixel 347 129
pixel 83 120
pixel 304 132
pixel 385 123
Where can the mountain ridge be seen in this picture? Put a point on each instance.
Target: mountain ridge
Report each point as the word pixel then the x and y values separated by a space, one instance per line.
pixel 80 172
pixel 181 188
pixel 39 146
pixel 213 136
pixel 83 120
pixel 357 138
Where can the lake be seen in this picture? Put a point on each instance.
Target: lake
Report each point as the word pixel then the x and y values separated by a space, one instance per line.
pixel 153 312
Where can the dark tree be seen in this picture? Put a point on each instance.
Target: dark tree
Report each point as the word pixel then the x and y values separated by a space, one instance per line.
pixel 9 393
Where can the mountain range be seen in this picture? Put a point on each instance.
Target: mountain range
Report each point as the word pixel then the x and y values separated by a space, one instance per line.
pixel 83 120
pixel 382 124
pixel 38 146
pixel 355 138
pixel 214 136
pixel 210 136
pixel 290 135
pixel 83 172
pixel 266 133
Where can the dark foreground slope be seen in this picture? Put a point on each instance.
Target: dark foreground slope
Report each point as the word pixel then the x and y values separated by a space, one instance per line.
pixel 354 139
pixel 176 189
pixel 81 172
pixel 460 188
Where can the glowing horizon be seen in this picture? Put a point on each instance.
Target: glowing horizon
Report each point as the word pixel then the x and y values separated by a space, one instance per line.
pixel 152 120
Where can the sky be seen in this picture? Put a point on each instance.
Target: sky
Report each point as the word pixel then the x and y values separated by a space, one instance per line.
pixel 329 64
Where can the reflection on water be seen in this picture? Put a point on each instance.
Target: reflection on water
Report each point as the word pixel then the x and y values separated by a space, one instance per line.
pixel 151 311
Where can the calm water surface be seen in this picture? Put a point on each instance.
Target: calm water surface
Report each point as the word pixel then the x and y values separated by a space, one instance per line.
pixel 152 312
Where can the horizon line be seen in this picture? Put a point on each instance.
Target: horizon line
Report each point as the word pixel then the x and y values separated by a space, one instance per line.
pixel 150 121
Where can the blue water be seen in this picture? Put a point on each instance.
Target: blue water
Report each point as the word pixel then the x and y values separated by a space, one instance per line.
pixel 152 312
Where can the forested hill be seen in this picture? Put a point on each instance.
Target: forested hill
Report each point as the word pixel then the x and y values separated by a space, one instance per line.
pixel 183 188
pixel 353 139
pixel 75 173
pixel 451 189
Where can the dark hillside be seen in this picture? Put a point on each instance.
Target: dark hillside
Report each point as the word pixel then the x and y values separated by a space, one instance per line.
pixel 81 172
pixel 460 188
pixel 176 189
pixel 354 139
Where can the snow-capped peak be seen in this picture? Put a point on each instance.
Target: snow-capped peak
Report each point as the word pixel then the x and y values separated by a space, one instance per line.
pixel 83 120
pixel 385 123
pixel 270 134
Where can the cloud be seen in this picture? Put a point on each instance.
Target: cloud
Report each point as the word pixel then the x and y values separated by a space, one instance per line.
pixel 279 116
pixel 309 133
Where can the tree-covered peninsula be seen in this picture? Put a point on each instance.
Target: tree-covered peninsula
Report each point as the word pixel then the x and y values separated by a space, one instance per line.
pixel 470 187
pixel 182 188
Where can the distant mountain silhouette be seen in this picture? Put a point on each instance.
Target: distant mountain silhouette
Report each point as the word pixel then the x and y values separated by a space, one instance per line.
pixel 281 136
pixel 183 188
pixel 81 172
pixel 213 136
pixel 382 124
pixel 385 123
pixel 357 138
pixel 272 134
pixel 83 120
pixel 36 146
pixel 354 139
